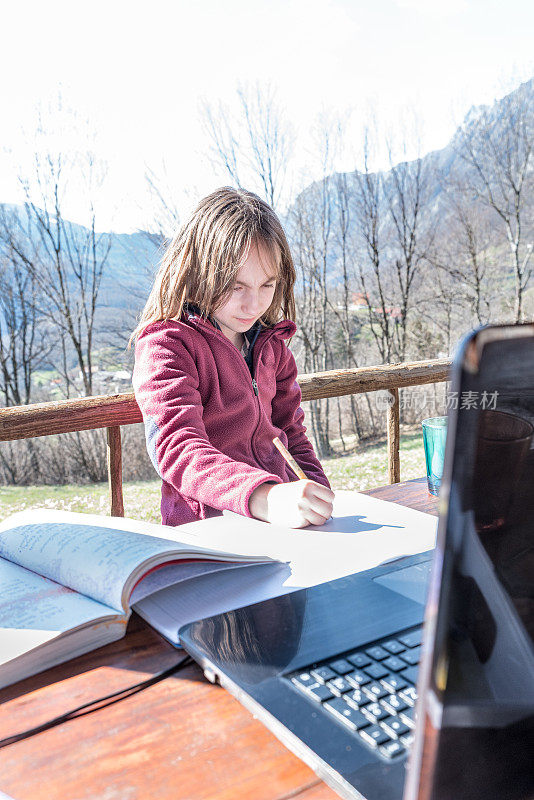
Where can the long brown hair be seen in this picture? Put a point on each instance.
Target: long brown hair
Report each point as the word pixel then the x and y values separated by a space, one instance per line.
pixel 201 263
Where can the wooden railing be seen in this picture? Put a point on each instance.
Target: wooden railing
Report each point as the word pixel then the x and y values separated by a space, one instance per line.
pixel 113 411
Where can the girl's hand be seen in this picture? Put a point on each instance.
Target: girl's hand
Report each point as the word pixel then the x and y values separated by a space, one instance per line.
pixel 293 505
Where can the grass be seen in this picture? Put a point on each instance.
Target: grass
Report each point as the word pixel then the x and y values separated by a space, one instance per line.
pixel 141 499
pixel 366 467
pixel 363 468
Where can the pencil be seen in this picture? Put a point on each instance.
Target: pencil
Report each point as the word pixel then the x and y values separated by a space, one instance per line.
pixel 289 458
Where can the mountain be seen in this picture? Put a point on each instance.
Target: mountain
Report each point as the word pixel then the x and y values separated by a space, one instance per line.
pixel 442 170
pixel 130 262
pixel 132 258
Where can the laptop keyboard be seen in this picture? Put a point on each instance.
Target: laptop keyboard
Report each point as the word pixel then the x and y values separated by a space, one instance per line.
pixel 371 691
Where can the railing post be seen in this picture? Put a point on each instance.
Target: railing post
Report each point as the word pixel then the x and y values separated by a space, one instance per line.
pixel 115 471
pixel 393 419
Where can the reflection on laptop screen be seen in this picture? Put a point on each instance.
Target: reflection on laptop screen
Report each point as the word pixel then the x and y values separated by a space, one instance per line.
pixel 410 582
pixel 478 740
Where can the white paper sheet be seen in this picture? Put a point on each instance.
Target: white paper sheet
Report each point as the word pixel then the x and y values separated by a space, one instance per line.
pixel 363 533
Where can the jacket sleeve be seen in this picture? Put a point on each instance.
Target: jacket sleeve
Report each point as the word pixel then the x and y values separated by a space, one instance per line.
pixel 166 390
pixel 288 416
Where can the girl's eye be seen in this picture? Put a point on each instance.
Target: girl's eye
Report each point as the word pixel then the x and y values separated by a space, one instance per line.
pixel 237 288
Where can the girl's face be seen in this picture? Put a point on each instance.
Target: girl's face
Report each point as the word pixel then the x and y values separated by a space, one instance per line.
pixel 250 297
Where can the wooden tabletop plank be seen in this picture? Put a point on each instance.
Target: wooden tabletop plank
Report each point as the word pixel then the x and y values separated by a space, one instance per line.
pixel 413 494
pixel 181 738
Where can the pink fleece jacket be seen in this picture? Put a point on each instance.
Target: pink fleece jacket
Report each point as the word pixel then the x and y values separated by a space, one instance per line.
pixel 209 425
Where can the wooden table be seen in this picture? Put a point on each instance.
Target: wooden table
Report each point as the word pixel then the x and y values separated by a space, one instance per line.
pixel 182 738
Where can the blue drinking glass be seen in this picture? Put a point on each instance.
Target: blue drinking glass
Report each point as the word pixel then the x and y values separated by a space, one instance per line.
pixel 434 436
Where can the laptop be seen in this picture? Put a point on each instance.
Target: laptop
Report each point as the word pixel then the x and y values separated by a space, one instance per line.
pixel 346 675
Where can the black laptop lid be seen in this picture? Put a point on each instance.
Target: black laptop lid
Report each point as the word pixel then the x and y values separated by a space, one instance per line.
pixel 476 685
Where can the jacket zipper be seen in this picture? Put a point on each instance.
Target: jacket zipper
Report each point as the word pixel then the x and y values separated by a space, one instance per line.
pixel 254 385
pixel 256 395
pixel 256 357
pixel 256 354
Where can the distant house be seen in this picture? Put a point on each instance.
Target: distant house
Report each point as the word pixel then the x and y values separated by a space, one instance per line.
pixel 116 381
pixel 393 312
pixel 106 381
pixel 122 376
pixel 359 300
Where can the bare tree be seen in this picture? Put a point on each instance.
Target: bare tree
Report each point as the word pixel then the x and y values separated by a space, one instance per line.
pixel 24 344
pixel 319 234
pixel 254 144
pixel 373 273
pixel 269 137
pixel 406 188
pixel 165 217
pixel 309 224
pixel 225 149
pixel 465 253
pixel 439 317
pixel 24 347
pixel 66 262
pixel 342 211
pixel 342 307
pixel 497 147
pixel 393 240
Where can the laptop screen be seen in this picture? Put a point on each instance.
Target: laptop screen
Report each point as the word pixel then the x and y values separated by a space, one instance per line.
pixel 477 683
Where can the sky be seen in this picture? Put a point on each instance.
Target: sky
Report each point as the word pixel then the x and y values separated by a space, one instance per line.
pixel 132 77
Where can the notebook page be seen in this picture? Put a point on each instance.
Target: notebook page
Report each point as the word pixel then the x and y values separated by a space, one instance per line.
pixel 172 574
pixel 96 555
pixel 168 610
pixel 34 610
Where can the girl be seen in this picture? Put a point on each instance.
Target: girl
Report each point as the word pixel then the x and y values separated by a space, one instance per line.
pixel 214 378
